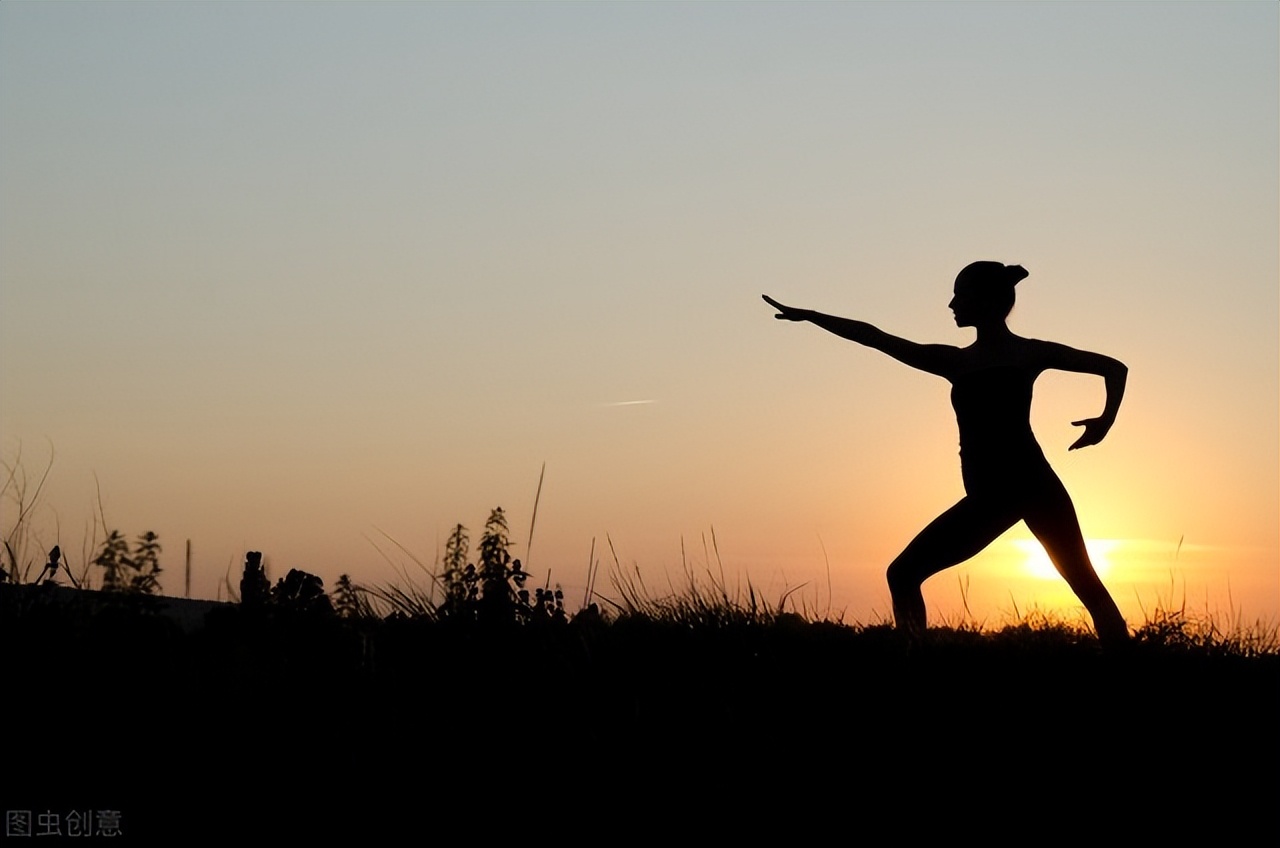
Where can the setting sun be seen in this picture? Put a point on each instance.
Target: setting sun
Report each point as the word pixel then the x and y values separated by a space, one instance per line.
pixel 1036 562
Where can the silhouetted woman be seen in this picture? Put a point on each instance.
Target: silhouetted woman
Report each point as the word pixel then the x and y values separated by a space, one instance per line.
pixel 1006 477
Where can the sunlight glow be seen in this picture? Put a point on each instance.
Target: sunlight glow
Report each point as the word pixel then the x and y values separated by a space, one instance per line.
pixel 1037 564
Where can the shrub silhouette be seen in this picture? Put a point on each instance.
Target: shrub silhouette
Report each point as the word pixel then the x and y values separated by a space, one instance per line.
pixel 349 600
pixel 302 593
pixel 135 571
pixel 490 590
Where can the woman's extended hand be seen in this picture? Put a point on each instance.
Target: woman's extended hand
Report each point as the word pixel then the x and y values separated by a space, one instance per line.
pixel 1095 429
pixel 787 313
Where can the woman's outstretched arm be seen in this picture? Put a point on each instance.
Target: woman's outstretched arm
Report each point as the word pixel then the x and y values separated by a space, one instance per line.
pixel 1113 371
pixel 933 358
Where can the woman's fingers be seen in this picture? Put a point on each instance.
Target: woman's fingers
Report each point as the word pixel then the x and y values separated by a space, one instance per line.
pixel 785 313
pixel 1094 431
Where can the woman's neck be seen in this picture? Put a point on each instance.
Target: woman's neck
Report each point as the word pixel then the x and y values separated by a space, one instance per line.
pixel 992 333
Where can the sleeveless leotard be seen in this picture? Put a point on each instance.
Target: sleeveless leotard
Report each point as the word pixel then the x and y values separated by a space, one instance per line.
pixel 999 454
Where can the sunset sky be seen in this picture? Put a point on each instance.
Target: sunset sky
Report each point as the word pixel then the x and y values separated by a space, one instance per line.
pixel 303 278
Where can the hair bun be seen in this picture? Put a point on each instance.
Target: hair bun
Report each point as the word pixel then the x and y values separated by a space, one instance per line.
pixel 1016 274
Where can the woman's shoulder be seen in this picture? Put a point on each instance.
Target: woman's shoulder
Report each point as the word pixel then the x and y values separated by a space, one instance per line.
pixel 1038 352
pixel 1057 356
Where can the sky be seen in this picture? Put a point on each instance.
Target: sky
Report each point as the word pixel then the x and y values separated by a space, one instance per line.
pixel 324 280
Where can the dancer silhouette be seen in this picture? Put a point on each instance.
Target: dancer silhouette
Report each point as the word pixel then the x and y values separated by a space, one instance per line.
pixel 1006 477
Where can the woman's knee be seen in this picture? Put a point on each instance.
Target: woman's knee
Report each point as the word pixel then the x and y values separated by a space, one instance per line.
pixel 905 575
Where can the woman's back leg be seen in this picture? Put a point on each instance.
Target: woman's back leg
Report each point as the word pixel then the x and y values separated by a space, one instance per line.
pixel 1055 525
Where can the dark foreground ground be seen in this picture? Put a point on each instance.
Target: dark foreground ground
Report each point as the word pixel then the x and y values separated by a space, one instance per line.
pixel 292 727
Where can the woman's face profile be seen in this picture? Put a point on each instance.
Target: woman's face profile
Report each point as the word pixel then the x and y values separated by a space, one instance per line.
pixel 964 304
pixel 975 301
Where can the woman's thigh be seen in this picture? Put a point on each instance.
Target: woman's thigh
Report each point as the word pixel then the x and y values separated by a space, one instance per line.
pixel 1051 517
pixel 953 537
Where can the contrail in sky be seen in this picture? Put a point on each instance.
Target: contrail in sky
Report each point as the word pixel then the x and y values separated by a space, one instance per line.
pixel 628 402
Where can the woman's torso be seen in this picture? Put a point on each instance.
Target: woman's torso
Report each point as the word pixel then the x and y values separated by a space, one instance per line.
pixel 998 450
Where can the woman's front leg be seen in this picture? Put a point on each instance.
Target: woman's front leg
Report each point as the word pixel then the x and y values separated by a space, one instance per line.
pixel 951 538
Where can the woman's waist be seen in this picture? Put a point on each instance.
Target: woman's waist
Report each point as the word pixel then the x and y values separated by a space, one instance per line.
pixel 1011 442
pixel 1026 454
pixel 1008 475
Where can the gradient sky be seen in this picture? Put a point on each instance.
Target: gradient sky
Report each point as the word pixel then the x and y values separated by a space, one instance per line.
pixel 301 277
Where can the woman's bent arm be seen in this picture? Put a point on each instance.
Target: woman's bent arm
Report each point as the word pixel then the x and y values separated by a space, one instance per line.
pixel 1113 371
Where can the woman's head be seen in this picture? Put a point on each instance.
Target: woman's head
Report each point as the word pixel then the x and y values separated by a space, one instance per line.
pixel 984 290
